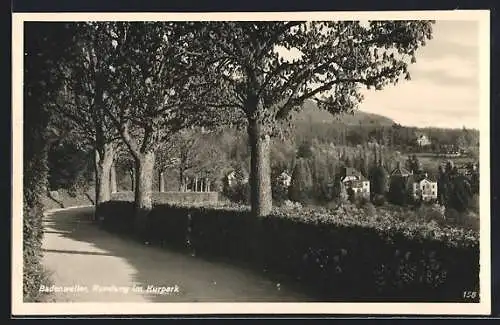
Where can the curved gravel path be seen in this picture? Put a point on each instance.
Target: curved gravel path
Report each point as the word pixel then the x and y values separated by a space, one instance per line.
pixel 92 265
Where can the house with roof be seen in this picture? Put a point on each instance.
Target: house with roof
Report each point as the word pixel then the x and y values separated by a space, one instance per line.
pixel 285 179
pixel 424 187
pixel 353 179
pixel 423 140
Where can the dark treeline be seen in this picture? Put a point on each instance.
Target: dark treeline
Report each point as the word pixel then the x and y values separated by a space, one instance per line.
pixel 72 167
pixel 397 137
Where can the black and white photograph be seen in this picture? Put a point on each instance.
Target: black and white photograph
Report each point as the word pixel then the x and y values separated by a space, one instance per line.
pixel 334 163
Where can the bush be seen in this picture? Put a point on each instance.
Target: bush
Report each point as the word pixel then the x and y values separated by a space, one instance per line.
pixel 238 193
pixel 460 194
pixel 399 191
pixel 301 186
pixel 34 188
pixel 378 180
pixel 369 208
pixel 348 253
pixel 379 200
pixel 362 200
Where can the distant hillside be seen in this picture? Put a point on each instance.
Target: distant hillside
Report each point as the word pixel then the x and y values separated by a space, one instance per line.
pixel 311 113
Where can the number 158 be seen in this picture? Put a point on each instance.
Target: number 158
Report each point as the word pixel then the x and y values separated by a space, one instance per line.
pixel 470 294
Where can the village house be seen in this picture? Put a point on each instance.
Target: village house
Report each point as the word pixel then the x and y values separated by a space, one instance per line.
pixel 353 179
pixel 423 187
pixel 423 140
pixel 285 179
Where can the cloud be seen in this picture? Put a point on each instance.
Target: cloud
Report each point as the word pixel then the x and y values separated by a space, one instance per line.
pixel 446 70
pixel 438 48
pixel 421 103
pixel 444 90
pixel 462 32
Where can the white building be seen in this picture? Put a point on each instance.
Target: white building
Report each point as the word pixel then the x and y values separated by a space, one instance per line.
pixel 285 179
pixel 424 188
pixel 356 181
pixel 423 140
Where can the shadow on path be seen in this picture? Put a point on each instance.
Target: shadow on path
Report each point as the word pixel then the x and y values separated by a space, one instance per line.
pixel 80 253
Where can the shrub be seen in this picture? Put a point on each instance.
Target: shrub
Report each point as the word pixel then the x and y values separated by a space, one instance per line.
pixel 362 200
pixel 351 195
pixel 34 188
pixel 347 253
pixel 239 193
pixel 369 208
pixel 379 200
pixel 378 180
pixel 460 194
pixel 398 191
pixel 301 186
pixel 340 191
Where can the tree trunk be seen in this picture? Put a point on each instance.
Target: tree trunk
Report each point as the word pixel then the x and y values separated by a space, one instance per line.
pixel 181 179
pixel 132 179
pixel 196 184
pixel 260 170
pixel 113 179
pixel 144 181
pixel 103 163
pixel 161 181
pixel 143 200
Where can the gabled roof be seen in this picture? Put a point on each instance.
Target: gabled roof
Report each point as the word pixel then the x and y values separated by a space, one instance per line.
pixel 420 177
pixel 400 171
pixel 349 171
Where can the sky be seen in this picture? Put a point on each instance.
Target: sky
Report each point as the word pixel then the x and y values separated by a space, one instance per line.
pixel 444 86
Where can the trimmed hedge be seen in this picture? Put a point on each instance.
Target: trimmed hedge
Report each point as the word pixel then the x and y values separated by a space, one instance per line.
pixel 174 197
pixel 343 254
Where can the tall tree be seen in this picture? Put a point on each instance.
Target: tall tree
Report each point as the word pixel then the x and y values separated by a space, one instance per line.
pixel 154 80
pixel 413 164
pixel 301 187
pixel 270 68
pixel 81 102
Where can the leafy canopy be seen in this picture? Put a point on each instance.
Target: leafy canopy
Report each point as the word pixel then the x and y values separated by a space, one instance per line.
pixel 269 68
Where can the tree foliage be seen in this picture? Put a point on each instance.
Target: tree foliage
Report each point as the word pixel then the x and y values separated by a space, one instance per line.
pixel 326 62
pixel 378 180
pixel 41 56
pixel 301 186
pixel 151 81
